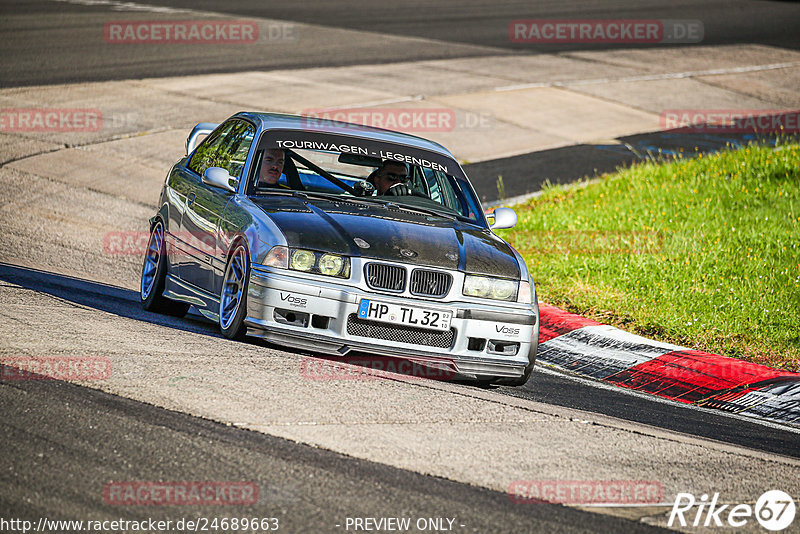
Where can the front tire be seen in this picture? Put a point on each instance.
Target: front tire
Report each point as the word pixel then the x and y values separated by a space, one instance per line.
pixel 233 297
pixel 526 374
pixel 154 274
pixel 516 382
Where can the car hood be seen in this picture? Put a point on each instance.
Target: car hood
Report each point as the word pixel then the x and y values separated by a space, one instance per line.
pixel 374 231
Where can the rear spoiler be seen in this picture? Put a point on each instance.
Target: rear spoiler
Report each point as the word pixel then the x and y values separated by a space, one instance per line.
pixel 204 128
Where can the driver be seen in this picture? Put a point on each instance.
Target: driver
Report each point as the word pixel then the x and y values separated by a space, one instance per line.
pixel 391 178
pixel 271 168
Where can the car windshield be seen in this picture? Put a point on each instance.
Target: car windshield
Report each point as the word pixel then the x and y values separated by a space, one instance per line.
pixel 361 169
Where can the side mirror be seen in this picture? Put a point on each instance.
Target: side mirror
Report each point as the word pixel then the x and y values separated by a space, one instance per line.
pixel 503 218
pixel 221 178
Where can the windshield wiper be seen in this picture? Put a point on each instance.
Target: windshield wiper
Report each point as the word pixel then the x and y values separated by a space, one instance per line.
pixel 369 201
pixel 415 209
pixel 335 197
pixel 389 204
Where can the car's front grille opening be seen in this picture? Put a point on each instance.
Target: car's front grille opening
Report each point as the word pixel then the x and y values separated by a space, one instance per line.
pixel 385 277
pixel 430 283
pixel 399 333
pixel 320 321
pixel 476 343
pixel 291 317
pixel 508 348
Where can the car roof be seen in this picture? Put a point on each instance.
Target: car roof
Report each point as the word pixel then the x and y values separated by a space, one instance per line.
pixel 280 121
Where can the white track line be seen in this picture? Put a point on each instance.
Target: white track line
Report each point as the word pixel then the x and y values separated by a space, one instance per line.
pixel 131 6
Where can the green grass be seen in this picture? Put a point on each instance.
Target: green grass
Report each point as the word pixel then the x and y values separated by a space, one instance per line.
pixel 702 252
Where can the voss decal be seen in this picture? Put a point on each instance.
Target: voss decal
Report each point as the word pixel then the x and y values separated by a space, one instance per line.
pixel 507 330
pixel 293 300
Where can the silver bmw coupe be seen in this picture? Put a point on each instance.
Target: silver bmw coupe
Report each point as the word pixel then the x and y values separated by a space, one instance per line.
pixel 334 237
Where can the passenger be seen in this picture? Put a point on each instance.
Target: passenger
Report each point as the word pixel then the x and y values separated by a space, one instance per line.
pixel 391 178
pixel 271 168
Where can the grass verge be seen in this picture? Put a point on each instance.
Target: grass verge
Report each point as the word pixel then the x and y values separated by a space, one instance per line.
pixel 702 252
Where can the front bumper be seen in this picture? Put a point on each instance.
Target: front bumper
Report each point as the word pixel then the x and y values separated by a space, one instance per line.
pixel 307 312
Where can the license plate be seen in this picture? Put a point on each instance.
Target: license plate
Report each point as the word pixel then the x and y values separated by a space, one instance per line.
pixel 407 315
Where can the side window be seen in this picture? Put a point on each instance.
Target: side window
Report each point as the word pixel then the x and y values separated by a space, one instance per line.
pixel 449 198
pixel 206 154
pixel 227 147
pixel 433 185
pixel 241 137
pixel 447 191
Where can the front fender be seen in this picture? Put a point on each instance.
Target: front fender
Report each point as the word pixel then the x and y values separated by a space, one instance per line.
pixel 162 214
pixel 243 220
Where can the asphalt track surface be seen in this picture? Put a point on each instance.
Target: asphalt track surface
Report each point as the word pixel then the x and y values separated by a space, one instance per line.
pixel 55 426
pixel 48 41
pixel 90 438
pixel 62 443
pixel 543 387
pixel 486 23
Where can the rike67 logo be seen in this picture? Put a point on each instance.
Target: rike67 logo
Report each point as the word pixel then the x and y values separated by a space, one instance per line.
pixel 774 510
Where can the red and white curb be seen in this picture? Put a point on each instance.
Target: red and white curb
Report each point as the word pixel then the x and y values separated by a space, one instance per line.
pixel 606 353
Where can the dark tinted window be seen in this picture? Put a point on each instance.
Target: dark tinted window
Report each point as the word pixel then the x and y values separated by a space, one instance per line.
pixel 340 165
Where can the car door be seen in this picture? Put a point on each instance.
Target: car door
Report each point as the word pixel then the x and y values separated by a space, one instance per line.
pixel 205 204
pixel 179 185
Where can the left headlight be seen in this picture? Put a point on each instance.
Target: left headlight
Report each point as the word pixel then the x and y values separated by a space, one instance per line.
pixel 487 287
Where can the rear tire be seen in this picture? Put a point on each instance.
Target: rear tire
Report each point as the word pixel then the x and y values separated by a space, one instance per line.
pixel 154 274
pixel 233 296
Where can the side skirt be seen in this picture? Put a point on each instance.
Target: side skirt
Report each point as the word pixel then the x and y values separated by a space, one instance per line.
pixel 206 303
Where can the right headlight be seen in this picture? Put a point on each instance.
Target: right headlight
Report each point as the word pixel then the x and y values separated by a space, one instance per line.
pixel 308 261
pixel 331 264
pixel 302 260
pixel 487 287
